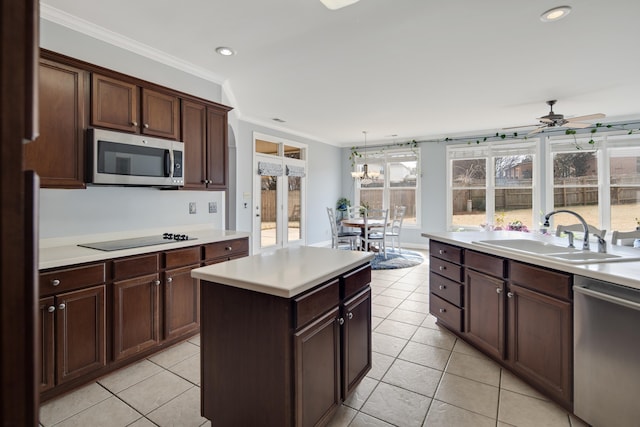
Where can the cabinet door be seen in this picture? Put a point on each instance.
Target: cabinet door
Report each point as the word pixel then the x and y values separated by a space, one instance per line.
pixel 484 312
pixel 58 153
pixel 317 370
pixel 136 317
pixel 80 332
pixel 194 136
pixel 114 104
pixel 217 148
pixel 160 114
pixel 181 302
pixel 356 342
pixel 540 341
pixel 47 339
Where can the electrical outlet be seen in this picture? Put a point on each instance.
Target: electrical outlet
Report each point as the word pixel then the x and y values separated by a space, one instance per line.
pixel 192 207
pixel 213 207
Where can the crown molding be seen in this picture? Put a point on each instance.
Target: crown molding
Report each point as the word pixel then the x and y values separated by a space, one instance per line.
pixel 90 29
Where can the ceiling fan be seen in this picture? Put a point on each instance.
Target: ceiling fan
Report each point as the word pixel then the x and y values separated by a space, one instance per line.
pixel 557 120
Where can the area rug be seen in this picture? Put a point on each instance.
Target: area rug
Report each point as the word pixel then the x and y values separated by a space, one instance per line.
pixel 396 260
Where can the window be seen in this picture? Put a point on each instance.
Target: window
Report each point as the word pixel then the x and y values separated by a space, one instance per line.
pixel 624 191
pixel 491 186
pixel 396 184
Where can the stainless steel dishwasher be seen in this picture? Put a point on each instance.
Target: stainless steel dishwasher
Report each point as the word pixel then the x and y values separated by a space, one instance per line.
pixel 606 353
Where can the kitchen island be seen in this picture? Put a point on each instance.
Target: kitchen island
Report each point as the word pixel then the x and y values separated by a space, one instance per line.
pixel 511 295
pixel 285 336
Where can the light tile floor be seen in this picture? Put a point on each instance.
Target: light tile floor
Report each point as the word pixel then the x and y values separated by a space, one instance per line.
pixel 422 375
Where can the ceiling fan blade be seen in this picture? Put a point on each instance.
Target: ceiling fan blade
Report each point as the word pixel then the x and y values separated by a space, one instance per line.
pixel 533 132
pixel 543 120
pixel 518 127
pixel 577 125
pixel 587 117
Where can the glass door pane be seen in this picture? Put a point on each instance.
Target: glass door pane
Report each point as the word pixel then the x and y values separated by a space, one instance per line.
pixel 294 202
pixel 268 211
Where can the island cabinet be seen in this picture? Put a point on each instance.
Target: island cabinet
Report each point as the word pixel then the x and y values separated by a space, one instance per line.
pixel 204 133
pixel 73 324
pixel 540 328
pixel 484 303
pixel 124 106
pixel 57 155
pixel 291 360
pixel 446 279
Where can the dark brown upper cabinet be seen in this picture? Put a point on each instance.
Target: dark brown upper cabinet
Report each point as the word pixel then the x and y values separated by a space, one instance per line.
pixel 58 153
pixel 115 104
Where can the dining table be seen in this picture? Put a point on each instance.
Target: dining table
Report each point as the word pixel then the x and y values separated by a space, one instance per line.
pixel 358 222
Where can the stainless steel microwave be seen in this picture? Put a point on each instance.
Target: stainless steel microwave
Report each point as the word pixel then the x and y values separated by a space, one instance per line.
pixel 118 158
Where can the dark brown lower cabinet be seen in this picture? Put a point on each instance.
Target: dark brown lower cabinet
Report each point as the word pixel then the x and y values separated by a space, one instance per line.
pixel 484 312
pixel 80 333
pixel 181 302
pixel 47 346
pixel 136 315
pixel 291 360
pixel 540 341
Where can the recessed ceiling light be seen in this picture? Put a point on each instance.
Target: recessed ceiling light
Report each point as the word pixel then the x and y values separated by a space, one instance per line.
pixel 337 4
pixel 225 51
pixel 555 14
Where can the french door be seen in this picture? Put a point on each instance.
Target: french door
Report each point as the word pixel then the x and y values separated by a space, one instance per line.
pixel 279 196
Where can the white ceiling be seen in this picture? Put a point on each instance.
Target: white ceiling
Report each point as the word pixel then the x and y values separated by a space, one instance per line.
pixel 419 69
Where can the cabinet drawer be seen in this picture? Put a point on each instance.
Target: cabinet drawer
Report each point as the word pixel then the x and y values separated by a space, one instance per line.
pixel 446 269
pixel 181 257
pixel 550 282
pixel 485 263
pixel 315 303
pixel 446 252
pixel 446 289
pixel 71 278
pixel 227 248
pixel 135 266
pixel 446 312
pixel 356 280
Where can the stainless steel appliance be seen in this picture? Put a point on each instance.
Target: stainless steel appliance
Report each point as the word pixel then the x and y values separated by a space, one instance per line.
pixel 606 353
pixel 119 158
pixel 136 242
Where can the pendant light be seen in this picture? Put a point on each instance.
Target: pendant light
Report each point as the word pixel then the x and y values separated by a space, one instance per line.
pixel 365 176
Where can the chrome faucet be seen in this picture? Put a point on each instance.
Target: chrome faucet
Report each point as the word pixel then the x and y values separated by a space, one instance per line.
pixel 585 241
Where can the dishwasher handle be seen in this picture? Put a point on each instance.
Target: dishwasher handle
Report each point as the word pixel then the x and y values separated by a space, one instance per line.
pixel 607 297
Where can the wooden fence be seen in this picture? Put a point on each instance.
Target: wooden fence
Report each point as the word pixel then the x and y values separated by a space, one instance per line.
pixel 269 207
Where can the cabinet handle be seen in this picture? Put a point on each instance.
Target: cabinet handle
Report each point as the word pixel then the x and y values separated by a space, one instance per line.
pixel 340 321
pixel 442 268
pixel 442 251
pixel 146 125
pixel 349 315
pixel 228 248
pixel 169 280
pixel 443 310
pixel 498 290
pixel 134 123
pixel 55 282
pixel 62 306
pixel 510 294
pixel 442 287
pixel 156 282
pixel 51 309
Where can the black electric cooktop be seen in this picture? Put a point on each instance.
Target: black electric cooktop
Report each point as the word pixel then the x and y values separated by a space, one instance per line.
pixel 136 242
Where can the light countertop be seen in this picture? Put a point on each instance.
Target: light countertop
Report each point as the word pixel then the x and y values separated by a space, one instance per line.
pixel 61 252
pixel 285 272
pixel 626 273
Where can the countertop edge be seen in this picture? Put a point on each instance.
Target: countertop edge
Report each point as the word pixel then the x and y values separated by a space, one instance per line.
pixel 620 272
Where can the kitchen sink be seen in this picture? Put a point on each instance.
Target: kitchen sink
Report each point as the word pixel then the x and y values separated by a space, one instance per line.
pixel 559 253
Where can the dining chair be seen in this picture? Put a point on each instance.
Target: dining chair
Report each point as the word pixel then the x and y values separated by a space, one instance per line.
pixel 337 238
pixel 626 238
pixel 375 229
pixel 396 225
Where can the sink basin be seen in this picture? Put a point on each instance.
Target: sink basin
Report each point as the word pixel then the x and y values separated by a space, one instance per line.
pixel 525 245
pixel 558 252
pixel 586 256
